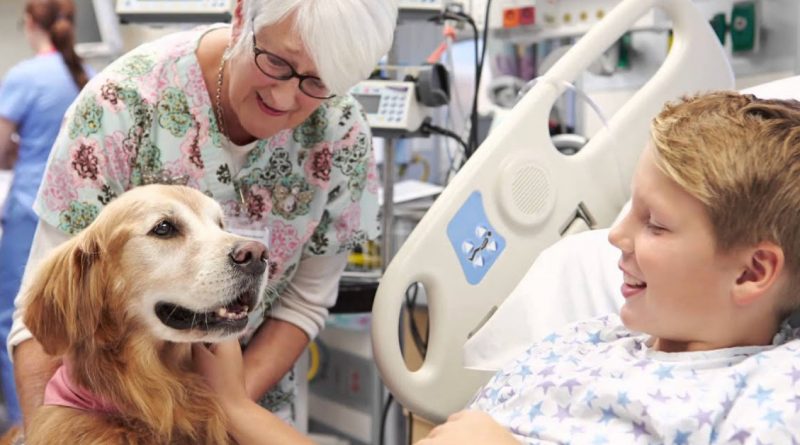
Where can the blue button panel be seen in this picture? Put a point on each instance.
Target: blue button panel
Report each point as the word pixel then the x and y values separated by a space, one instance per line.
pixel 476 242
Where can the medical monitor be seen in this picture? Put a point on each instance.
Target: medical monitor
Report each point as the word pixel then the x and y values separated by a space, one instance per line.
pixel 97 31
pixel 174 11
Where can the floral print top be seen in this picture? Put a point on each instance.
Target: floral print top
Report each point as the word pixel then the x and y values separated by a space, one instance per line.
pixel 149 118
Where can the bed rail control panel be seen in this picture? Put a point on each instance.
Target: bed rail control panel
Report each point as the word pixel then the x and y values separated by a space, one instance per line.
pixel 476 242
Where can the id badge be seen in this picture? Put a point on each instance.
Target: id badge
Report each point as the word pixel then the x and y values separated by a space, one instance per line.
pixel 242 226
pixel 238 222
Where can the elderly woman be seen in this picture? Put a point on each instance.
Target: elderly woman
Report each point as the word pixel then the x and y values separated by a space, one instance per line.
pixel 257 116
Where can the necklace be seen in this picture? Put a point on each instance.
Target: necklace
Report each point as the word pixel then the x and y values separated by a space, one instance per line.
pixel 218 98
pixel 221 125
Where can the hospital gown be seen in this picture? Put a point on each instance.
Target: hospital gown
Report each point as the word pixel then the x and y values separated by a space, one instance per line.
pixel 595 382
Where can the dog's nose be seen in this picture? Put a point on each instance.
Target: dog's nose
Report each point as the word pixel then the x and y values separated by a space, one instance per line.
pixel 250 256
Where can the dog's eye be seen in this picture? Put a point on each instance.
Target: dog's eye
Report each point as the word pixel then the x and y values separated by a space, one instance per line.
pixel 164 229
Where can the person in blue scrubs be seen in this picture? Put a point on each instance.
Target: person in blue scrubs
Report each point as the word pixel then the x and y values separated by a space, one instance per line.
pixel 34 95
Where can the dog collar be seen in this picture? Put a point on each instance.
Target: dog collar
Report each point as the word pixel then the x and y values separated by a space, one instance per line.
pixel 62 391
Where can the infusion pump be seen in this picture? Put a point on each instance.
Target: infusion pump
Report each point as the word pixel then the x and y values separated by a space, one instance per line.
pixel 391 106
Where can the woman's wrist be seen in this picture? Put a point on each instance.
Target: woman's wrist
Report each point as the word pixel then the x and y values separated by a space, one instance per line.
pixel 234 405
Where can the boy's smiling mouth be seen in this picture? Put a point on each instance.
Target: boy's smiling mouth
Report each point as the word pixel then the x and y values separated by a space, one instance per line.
pixel 631 285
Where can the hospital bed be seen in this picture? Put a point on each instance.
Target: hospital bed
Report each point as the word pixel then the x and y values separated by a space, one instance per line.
pixel 516 196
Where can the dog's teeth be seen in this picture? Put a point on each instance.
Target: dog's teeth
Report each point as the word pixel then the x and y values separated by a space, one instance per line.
pixel 232 315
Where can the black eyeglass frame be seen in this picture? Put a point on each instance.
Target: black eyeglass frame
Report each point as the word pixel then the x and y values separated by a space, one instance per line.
pixel 258 51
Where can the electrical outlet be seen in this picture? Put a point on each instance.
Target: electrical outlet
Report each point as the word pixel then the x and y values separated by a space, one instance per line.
pixel 346 378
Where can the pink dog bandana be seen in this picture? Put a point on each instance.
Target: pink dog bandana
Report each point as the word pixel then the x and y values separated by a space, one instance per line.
pixel 62 391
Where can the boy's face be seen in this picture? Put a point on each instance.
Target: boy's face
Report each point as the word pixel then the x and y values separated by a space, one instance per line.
pixel 676 285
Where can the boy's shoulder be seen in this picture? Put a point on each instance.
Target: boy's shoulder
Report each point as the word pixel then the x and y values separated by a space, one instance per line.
pixel 594 330
pixel 586 338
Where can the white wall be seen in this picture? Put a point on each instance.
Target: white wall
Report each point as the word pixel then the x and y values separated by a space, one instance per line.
pixel 612 100
pixel 778 56
pixel 13 46
pixel 134 35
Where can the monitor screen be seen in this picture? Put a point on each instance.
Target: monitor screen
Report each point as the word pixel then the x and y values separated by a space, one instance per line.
pixel 370 102
pixel 86 29
pixel 97 31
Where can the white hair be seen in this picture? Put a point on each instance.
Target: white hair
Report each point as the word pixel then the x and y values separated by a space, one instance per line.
pixel 344 38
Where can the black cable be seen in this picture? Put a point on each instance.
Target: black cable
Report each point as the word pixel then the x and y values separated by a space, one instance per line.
pixel 428 128
pixel 478 76
pixel 472 141
pixel 410 428
pixel 411 301
pixel 458 16
pixel 485 37
pixel 384 416
pixel 412 292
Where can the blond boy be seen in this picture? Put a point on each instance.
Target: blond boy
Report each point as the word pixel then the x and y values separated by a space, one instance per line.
pixel 710 254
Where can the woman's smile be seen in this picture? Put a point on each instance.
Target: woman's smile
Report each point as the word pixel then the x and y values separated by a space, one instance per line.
pixel 262 105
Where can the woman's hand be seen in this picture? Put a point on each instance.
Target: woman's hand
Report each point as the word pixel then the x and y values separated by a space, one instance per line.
pixel 223 368
pixel 469 427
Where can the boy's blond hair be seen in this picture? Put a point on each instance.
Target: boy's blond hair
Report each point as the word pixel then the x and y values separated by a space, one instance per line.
pixel 740 156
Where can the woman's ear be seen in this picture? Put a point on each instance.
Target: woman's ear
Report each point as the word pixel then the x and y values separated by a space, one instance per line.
pixel 763 266
pixel 237 22
pixel 64 298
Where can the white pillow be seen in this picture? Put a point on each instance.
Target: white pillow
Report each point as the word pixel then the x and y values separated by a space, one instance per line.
pixel 574 279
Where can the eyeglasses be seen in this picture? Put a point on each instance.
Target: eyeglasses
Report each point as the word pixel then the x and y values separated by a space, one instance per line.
pixel 277 68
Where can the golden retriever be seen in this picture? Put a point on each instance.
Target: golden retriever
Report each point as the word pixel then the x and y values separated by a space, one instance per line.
pixel 122 302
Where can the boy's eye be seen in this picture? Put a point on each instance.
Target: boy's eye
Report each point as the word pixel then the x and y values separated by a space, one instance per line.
pixel 654 227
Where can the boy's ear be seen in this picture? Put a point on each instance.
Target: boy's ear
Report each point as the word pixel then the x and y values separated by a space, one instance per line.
pixel 763 265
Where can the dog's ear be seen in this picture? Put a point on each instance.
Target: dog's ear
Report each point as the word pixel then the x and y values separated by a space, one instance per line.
pixel 64 298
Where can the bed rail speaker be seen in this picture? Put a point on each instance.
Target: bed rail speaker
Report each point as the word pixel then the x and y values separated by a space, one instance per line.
pixel 526 192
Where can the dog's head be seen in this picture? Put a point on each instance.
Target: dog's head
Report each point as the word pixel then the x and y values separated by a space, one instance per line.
pixel 157 261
